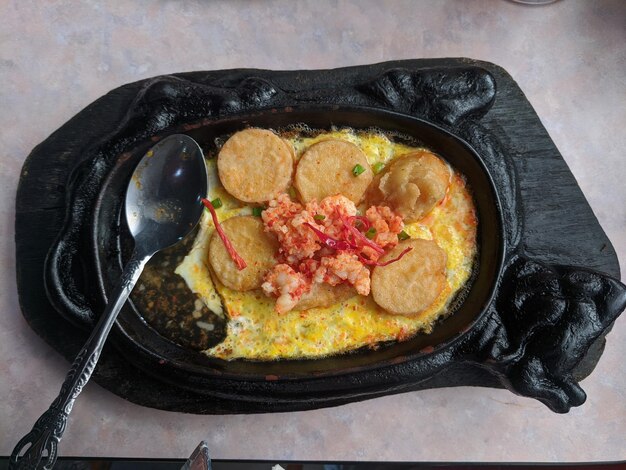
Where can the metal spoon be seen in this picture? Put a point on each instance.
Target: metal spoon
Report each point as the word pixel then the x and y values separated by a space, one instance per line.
pixel 162 206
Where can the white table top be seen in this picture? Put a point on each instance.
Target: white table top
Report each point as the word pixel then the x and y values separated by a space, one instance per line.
pixel 570 60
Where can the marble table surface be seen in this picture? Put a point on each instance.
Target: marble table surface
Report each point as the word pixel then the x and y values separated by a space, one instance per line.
pixel 568 57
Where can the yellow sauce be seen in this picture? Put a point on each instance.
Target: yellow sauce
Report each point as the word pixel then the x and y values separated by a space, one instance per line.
pixel 256 331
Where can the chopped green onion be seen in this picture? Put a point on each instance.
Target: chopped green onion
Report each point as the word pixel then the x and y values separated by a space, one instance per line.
pixel 371 233
pixel 378 167
pixel 403 236
pixel 358 169
pixel 319 217
pixel 292 193
pixel 256 211
pixel 217 203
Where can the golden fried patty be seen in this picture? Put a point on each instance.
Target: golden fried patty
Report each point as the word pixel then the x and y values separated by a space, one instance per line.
pixel 411 185
pixel 328 168
pixel 254 245
pixel 411 284
pixel 255 165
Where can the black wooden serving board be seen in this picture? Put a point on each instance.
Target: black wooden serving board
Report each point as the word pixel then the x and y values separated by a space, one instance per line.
pixel 559 227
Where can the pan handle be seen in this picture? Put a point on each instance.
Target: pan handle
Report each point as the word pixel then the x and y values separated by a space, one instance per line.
pixel 542 325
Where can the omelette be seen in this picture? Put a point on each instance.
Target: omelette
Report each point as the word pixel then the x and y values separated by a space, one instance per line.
pixel 255 331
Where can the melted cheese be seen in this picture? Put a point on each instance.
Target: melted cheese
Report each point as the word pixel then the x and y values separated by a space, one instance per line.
pixel 256 331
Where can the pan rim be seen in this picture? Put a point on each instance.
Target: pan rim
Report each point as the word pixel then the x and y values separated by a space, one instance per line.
pixel 220 368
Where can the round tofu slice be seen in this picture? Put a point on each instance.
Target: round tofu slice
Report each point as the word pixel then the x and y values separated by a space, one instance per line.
pixel 257 248
pixel 255 165
pixel 411 284
pixel 326 169
pixel 412 185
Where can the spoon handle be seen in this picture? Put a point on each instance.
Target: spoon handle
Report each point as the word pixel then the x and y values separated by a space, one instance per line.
pixel 38 448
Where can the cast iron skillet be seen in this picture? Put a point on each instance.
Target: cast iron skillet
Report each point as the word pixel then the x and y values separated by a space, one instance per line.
pixel 531 336
pixel 457 152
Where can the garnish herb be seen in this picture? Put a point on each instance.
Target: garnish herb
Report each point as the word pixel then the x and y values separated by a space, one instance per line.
pixel 403 236
pixel 217 203
pixel 378 167
pixel 358 169
pixel 256 211
pixel 371 233
pixel 319 217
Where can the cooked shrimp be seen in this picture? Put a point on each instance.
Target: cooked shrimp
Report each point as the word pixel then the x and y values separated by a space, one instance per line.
pixel 387 225
pixel 308 267
pixel 286 285
pixel 287 219
pixel 305 235
pixel 334 209
pixel 344 267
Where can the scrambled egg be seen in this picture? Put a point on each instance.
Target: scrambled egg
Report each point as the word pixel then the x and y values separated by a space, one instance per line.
pixel 256 332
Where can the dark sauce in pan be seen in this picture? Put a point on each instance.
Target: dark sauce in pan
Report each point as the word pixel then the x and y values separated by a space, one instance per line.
pixel 165 302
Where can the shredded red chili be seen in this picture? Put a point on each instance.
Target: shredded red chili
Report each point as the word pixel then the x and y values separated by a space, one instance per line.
pixel 359 218
pixel 358 235
pixel 355 240
pixel 330 241
pixel 238 260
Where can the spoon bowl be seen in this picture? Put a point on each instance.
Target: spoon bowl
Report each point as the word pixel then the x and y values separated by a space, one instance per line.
pixel 162 205
pixel 163 199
